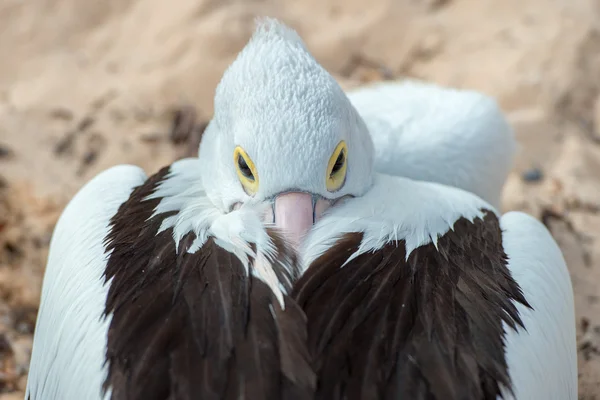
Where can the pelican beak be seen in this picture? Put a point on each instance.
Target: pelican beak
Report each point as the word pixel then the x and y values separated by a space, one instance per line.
pixel 294 213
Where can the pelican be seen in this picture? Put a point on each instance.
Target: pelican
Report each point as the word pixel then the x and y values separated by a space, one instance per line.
pixel 280 264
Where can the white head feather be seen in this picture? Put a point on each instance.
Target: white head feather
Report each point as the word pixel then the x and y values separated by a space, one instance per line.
pixel 288 114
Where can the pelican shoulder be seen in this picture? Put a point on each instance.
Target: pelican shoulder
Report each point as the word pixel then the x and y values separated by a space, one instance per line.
pixel 395 209
pixel 472 305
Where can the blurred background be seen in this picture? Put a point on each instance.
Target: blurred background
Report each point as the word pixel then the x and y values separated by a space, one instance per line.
pixel 88 84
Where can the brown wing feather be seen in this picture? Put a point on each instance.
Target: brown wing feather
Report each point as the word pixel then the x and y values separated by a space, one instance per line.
pixel 430 327
pixel 195 326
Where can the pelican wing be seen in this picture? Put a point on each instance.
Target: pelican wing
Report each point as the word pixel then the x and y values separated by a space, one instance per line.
pixel 69 345
pixel 409 294
pixel 542 360
pixel 178 316
pixel 427 132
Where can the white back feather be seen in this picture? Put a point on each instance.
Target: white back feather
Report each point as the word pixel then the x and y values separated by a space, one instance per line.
pixel 69 346
pixel 427 132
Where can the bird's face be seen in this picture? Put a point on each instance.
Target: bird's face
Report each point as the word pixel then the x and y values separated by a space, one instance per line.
pixel 285 135
pixel 299 179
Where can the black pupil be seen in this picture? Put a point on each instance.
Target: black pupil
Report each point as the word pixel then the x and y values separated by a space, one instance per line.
pixel 245 168
pixel 339 163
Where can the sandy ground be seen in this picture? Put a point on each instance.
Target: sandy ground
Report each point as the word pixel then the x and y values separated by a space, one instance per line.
pixel 85 85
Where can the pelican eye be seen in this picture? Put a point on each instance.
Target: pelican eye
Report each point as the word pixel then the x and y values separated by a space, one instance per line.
pixel 246 171
pixel 337 167
pixel 244 168
pixel 339 163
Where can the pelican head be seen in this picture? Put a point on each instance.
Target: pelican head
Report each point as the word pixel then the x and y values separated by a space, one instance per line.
pixel 285 134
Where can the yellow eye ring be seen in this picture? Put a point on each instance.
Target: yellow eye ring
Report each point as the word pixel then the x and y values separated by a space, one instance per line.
pixel 337 167
pixel 246 171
